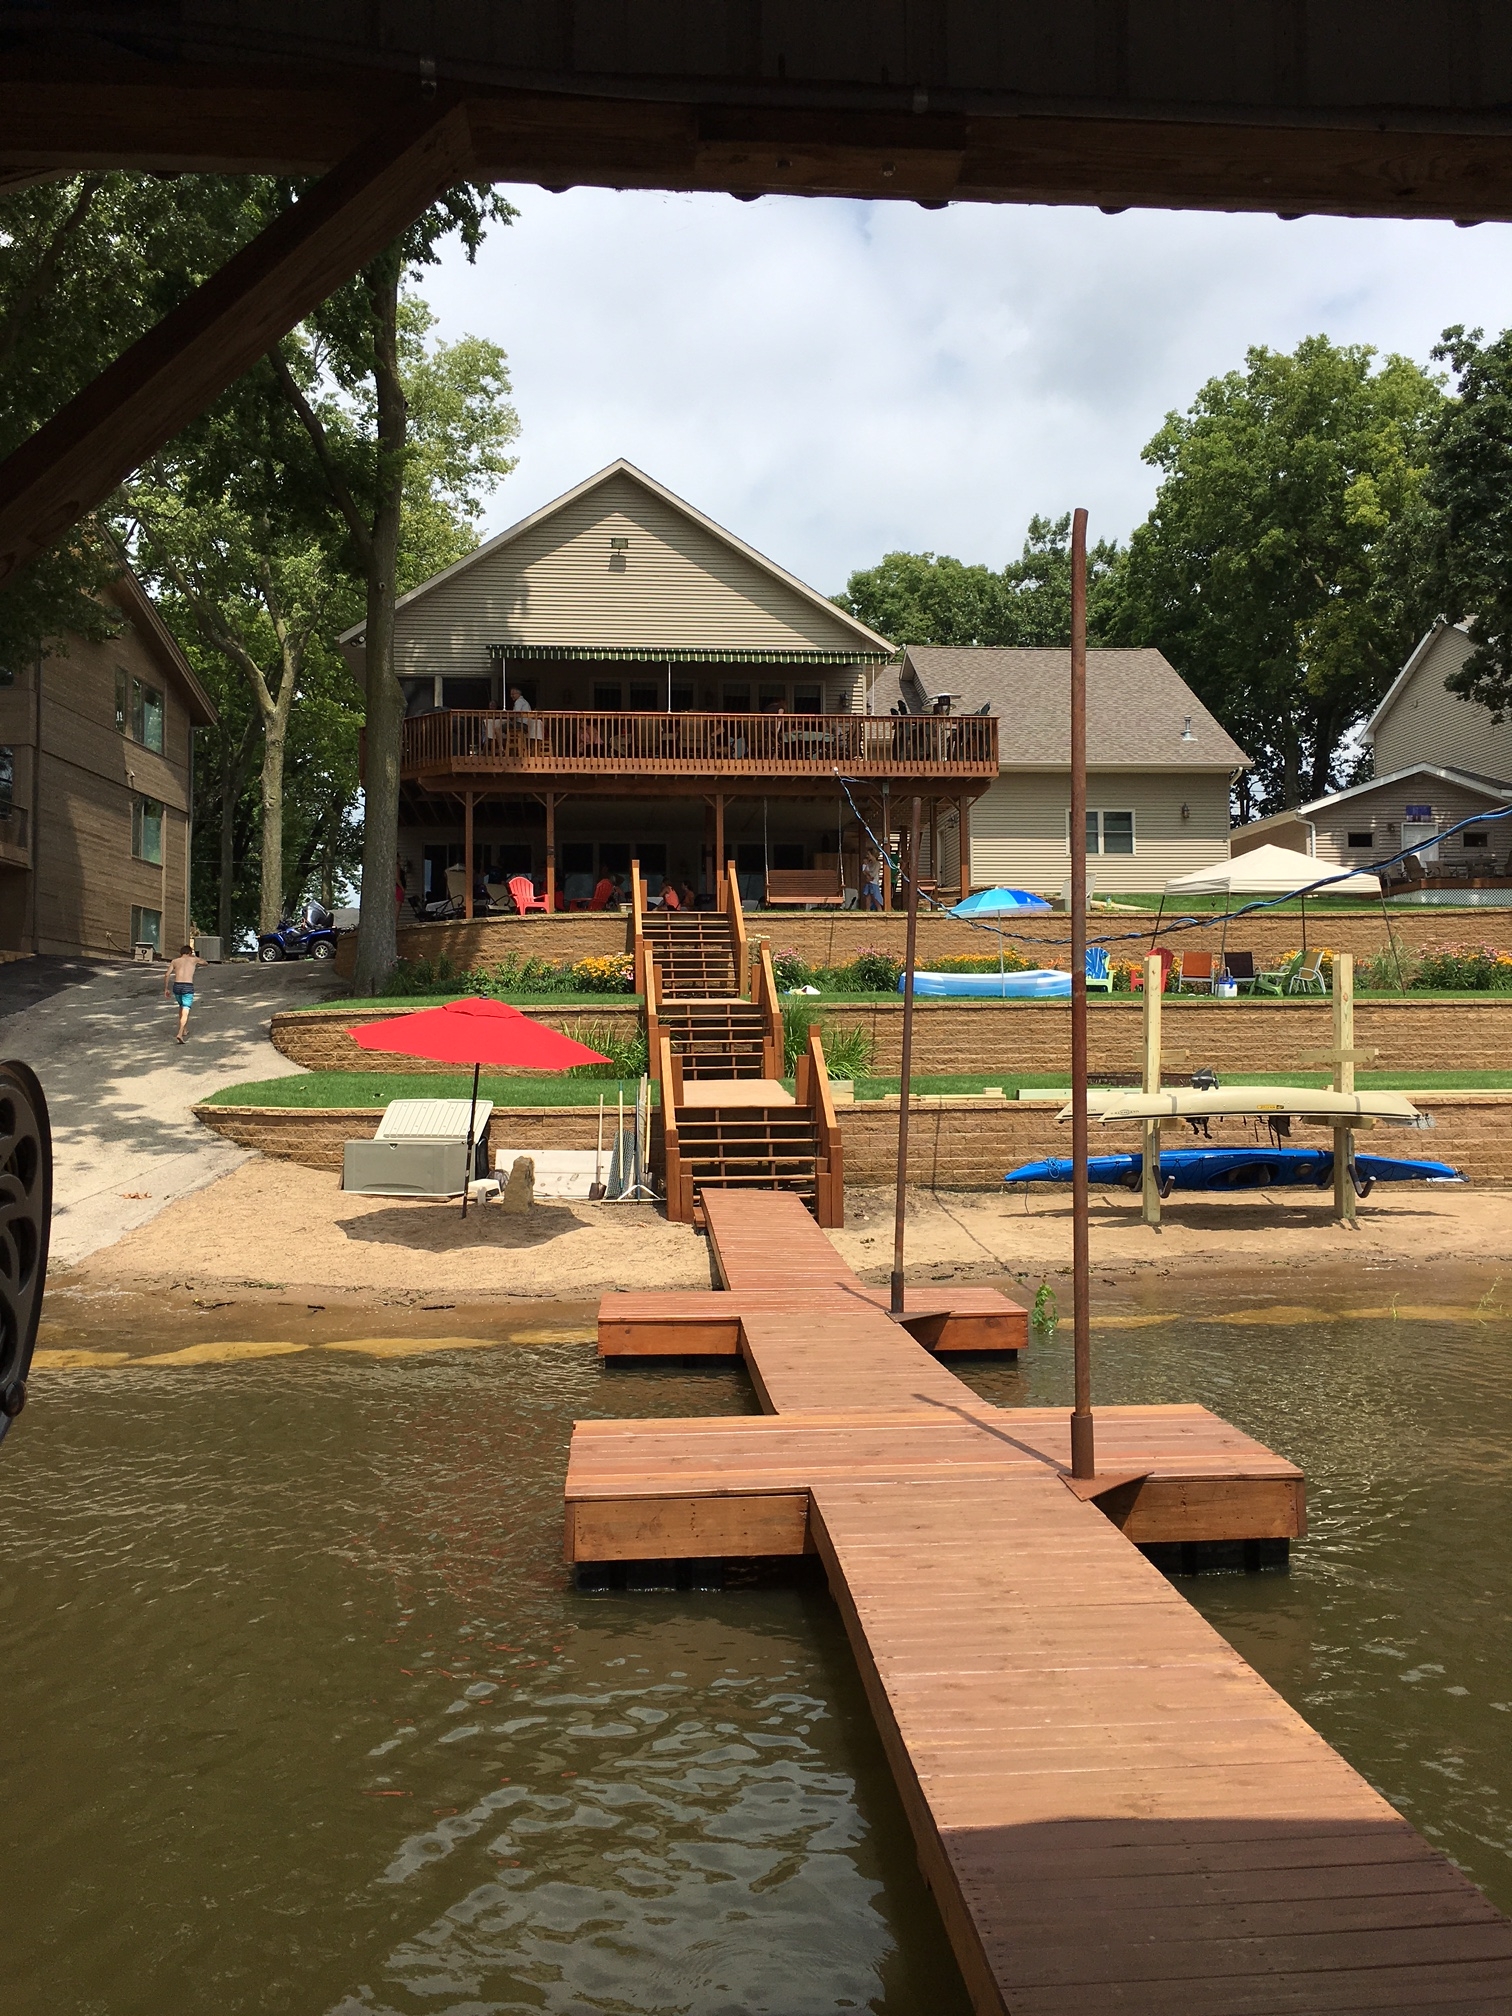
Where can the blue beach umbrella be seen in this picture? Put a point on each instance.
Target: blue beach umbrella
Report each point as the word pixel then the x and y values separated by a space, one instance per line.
pixel 999 903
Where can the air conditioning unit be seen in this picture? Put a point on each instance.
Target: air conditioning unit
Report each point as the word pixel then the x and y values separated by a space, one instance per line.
pixel 208 946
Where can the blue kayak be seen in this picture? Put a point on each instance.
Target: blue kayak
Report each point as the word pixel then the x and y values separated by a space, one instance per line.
pixel 1256 1168
pixel 1041 983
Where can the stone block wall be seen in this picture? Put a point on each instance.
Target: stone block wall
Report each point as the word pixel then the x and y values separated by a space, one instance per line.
pixel 319 1040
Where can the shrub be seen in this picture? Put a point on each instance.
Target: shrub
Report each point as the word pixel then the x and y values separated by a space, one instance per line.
pixel 516 975
pixel 1468 968
pixel 433 976
pixel 1388 969
pixel 792 970
pixel 624 1048
pixel 847 1052
pixel 1013 961
pixel 870 972
pixel 609 973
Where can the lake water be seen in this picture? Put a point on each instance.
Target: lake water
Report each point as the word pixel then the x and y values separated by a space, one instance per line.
pixel 302 1713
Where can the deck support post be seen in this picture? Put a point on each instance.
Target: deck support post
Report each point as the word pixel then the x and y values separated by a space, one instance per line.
pixel 719 844
pixel 1083 1453
pixel 886 837
pixel 1150 1183
pixel 1344 1073
pixel 963 850
pixel 467 854
pixel 551 800
pixel 906 1062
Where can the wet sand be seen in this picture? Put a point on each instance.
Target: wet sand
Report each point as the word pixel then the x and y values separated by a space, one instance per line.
pixel 277 1232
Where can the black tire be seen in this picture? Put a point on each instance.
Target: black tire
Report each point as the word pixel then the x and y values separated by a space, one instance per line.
pixel 26 1187
pixel 322 949
pixel 269 951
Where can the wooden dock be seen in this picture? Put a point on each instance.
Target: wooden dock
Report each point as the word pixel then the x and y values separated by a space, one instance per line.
pixel 1113 1810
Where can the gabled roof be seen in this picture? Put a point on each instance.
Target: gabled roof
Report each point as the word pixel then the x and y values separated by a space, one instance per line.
pixel 867 643
pixel 1419 652
pixel 1141 714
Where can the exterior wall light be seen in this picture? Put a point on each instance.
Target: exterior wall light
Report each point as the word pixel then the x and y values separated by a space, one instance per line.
pixel 618 545
pixel 1186 811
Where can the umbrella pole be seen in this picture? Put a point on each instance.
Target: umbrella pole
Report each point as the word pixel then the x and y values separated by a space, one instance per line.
pixel 472 1115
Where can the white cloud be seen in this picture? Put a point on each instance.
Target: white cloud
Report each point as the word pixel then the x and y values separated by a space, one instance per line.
pixel 833 380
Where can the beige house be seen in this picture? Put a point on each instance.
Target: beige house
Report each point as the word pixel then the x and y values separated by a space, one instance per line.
pixel 96 788
pixel 618 677
pixel 1159 766
pixel 1439 760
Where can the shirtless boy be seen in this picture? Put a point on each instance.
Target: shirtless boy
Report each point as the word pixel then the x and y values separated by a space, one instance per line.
pixel 180 977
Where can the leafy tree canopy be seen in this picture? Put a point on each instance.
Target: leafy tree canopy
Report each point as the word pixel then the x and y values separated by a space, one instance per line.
pixel 1277 570
pixel 1469 492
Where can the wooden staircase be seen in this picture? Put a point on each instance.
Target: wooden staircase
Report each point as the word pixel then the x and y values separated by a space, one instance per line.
pixel 716 1052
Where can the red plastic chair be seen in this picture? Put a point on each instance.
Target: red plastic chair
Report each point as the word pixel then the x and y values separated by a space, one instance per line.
pixel 603 894
pixel 525 898
pixel 1167 960
pixel 670 898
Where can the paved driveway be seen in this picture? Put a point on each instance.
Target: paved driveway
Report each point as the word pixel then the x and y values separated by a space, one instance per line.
pixel 120 1089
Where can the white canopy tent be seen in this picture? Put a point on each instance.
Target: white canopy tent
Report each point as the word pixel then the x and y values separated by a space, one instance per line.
pixel 1272 871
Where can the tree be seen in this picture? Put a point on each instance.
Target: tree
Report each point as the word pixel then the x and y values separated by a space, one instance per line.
pixel 262 595
pixel 1273 569
pixel 402 438
pixel 1469 496
pixel 924 598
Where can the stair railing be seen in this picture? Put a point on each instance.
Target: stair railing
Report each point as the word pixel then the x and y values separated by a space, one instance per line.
pixel 764 994
pixel 652 998
pixel 812 1089
pixel 637 931
pixel 735 916
pixel 679 1179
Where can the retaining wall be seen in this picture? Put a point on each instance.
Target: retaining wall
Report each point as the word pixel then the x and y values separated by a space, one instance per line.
pixel 953 1144
pixel 319 1040
pixel 826 938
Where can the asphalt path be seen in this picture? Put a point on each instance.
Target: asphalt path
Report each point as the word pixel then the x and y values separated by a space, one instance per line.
pixel 120 1090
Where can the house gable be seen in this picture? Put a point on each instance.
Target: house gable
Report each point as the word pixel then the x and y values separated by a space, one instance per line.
pixel 678 585
pixel 1421 721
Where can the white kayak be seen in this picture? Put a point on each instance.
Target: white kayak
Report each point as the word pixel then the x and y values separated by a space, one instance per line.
pixel 1298 1102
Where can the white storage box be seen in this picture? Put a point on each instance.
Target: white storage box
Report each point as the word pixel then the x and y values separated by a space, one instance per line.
pixel 404 1168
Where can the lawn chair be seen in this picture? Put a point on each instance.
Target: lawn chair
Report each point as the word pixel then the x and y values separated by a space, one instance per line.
pixel 1099 973
pixel 1198 971
pixel 1307 975
pixel 1167 960
pixel 456 890
pixel 1240 968
pixel 1278 979
pixel 525 898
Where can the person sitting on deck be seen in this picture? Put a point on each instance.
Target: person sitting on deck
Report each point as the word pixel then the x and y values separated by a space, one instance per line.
pixel 669 897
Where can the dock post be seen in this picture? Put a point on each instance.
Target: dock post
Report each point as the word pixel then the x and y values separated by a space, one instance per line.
pixel 905 1063
pixel 1150 1184
pixel 1344 1075
pixel 1083 1455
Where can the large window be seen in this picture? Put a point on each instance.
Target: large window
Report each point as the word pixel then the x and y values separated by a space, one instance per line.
pixel 147 830
pixel 147 927
pixel 138 710
pixel 7 780
pixel 1107 832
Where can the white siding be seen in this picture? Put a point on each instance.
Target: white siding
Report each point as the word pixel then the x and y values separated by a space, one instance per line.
pixel 1381 812
pixel 1428 724
pixel 1018 829
pixel 677 587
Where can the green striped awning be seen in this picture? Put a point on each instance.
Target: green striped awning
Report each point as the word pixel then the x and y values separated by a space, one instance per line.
pixel 646 654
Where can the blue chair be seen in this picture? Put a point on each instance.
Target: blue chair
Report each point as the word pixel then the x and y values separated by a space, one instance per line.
pixel 1099 973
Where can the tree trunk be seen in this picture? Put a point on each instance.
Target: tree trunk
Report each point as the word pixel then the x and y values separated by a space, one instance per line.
pixel 271 898
pixel 232 780
pixel 377 946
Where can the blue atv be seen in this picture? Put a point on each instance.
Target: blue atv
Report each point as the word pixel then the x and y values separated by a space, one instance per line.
pixel 312 937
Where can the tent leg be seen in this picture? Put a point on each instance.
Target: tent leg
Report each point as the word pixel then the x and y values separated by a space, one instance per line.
pixel 1159 914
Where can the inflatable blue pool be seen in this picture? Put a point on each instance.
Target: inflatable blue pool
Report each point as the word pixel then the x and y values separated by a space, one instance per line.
pixel 1045 983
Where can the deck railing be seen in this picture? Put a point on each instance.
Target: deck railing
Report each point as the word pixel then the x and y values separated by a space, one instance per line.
pixel 486 742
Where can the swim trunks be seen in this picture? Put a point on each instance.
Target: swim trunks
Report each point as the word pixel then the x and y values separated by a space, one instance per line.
pixel 184 996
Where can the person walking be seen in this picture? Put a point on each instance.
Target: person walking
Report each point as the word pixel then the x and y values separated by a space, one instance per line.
pixel 180 977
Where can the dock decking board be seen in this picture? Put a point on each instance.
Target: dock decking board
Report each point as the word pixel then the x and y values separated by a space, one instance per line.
pixel 1114 1811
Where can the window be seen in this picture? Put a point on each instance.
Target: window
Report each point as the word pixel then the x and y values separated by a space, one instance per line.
pixel 1471 839
pixel 147 715
pixel 646 698
pixel 606 699
pixel 576 856
pixel 123 698
pixel 737 699
pixel 1361 840
pixel 808 699
pixel 1107 832
pixel 682 699
pixel 466 693
pixel 147 830
pixel 147 927
pixel 789 854
pixel 769 699
pixel 7 781
pixel 7 673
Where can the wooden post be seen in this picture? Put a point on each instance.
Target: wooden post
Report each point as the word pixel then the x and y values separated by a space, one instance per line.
pixel 1150 1185
pixel 1345 1203
pixel 551 798
pixel 963 824
pixel 1083 1453
pixel 467 852
pixel 886 838
pixel 906 1065
pixel 719 843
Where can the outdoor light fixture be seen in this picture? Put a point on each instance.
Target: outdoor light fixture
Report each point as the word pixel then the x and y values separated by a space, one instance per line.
pixel 1186 811
pixel 618 545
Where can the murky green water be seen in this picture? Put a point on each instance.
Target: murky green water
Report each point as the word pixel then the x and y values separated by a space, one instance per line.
pixel 302 1715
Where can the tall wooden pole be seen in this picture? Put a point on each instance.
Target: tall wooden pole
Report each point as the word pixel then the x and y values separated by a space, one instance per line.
pixel 906 1062
pixel 1083 1458
pixel 1150 1185
pixel 1344 1080
pixel 467 851
pixel 551 874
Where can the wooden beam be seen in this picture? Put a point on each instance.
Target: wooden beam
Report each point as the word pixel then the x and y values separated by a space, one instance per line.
pixel 467 854
pixel 140 402
pixel 551 798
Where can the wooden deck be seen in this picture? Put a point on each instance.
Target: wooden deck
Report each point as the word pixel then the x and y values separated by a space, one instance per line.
pixel 1113 1811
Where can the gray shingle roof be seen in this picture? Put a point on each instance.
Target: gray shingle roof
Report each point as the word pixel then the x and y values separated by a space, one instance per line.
pixel 1137 705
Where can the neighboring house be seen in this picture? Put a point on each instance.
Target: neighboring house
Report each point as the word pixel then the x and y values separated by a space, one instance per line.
pixel 690 703
pixel 1438 759
pixel 1159 767
pixel 96 779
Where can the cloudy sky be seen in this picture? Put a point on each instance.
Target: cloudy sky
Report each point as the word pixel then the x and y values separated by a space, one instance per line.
pixel 835 380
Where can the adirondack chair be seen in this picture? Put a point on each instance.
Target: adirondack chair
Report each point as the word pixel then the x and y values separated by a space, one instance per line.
pixel 1167 960
pixel 525 898
pixel 1278 979
pixel 1099 973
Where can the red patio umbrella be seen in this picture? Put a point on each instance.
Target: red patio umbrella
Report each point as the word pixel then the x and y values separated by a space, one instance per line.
pixel 476 1031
